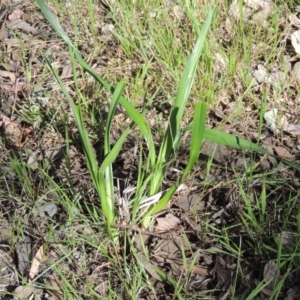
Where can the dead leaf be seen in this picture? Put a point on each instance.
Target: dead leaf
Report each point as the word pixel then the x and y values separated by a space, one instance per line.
pixel 13 133
pixel 271 273
pixel 67 70
pixel 9 75
pixel 223 274
pixel 49 208
pixel 57 287
pixel 16 14
pixel 296 71
pixel 177 244
pixel 286 238
pixel 187 203
pixel 24 292
pixel 284 153
pixel 166 223
pixel 22 25
pixel 23 250
pixel 38 258
pixel 234 11
pixel 295 21
pixel 295 38
pixel 293 129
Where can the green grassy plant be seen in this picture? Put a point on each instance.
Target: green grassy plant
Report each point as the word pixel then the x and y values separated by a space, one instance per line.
pixel 156 164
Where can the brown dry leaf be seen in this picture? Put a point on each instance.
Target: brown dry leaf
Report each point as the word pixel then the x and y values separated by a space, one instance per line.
pixel 177 244
pixel 187 203
pixel 9 75
pixel 23 249
pixel 57 287
pixel 34 269
pixel 293 129
pixel 16 14
pixel 286 238
pixel 270 273
pixel 67 70
pixel 295 21
pixel 262 8
pixel 24 292
pixel 283 152
pixel 13 133
pixel 5 234
pixel 234 11
pixel 223 274
pixel 166 223
pixel 22 25
pixel 148 266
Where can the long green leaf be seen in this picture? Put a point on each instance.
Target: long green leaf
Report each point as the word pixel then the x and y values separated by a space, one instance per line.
pixel 227 139
pixel 198 129
pixel 107 203
pixel 184 90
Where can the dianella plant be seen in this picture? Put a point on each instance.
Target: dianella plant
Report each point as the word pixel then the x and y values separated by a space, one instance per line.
pixel 147 195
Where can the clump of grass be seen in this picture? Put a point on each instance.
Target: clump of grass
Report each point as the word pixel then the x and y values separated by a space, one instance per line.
pixel 155 165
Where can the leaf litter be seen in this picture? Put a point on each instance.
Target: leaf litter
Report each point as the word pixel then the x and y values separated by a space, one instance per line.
pixel 177 243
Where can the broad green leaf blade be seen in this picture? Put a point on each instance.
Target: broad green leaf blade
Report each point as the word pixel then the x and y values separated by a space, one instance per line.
pixel 112 108
pixel 198 129
pixel 134 115
pixel 107 203
pixel 227 139
pixel 230 140
pixel 188 75
pixel 107 200
pixel 184 90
